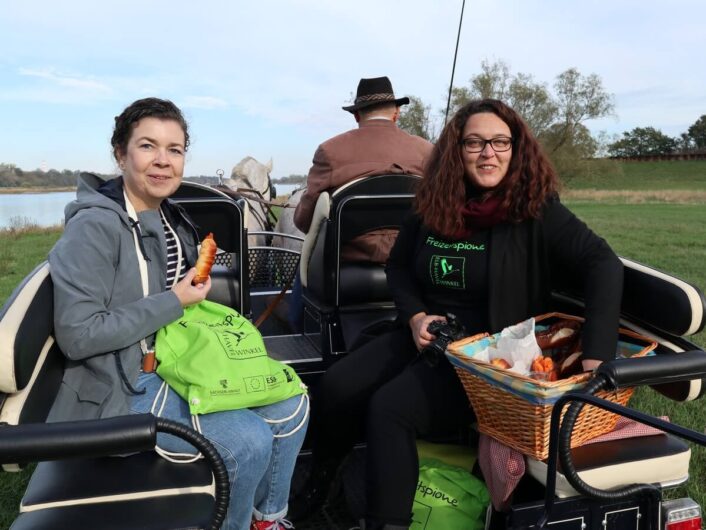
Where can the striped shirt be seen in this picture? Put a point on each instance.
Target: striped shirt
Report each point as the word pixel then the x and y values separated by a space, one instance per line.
pixel 172 254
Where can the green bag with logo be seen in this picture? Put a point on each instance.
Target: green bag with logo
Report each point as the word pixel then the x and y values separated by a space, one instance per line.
pixel 216 360
pixel 448 497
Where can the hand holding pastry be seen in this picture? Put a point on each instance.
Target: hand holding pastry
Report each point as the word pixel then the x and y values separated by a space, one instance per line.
pixel 207 255
pixel 189 293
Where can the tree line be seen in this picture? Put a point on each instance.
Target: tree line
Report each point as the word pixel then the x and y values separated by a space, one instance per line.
pixel 648 141
pixel 290 179
pixel 12 176
pixel 556 114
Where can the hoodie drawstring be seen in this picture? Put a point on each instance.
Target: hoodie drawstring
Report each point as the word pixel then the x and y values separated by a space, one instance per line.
pixel 136 227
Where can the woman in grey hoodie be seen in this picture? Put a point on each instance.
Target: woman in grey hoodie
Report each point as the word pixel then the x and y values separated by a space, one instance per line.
pixel 122 270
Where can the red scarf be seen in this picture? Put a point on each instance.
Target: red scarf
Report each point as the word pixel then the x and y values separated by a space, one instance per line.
pixel 481 214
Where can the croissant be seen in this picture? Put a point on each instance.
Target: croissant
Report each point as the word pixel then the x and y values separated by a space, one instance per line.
pixel 207 255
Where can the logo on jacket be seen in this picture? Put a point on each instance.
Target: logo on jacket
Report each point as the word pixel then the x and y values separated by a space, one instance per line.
pixel 448 271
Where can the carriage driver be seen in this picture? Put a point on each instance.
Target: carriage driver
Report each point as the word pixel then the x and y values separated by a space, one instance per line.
pixel 376 147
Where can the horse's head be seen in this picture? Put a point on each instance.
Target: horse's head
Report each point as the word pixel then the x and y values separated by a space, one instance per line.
pixel 250 174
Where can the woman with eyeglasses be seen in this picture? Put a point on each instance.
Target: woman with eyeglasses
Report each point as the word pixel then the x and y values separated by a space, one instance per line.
pixel 488 242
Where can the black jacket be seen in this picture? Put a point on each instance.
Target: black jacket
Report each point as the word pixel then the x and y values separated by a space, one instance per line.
pixel 527 261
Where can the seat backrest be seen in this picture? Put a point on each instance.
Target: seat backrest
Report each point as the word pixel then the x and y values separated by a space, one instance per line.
pixel 214 211
pixel 363 205
pixel 657 305
pixel 657 302
pixel 660 301
pixel 31 364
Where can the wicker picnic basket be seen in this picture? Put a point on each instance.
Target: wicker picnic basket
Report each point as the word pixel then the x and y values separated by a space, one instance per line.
pixel 516 410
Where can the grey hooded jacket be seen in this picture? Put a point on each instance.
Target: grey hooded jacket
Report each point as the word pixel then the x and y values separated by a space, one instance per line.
pixel 100 313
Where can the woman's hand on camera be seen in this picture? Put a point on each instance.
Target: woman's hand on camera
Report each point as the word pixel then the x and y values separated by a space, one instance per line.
pixel 191 294
pixel 419 324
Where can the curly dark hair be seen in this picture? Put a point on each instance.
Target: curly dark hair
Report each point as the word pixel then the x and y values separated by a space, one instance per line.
pixel 529 182
pixel 162 109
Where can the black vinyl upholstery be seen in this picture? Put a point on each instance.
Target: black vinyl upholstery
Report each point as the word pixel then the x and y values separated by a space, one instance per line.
pixel 34 330
pixel 660 459
pixel 174 512
pixel 77 478
pixel 662 369
pixel 610 453
pixel 39 399
pixel 216 212
pixel 654 303
pixel 661 301
pixel 654 300
pixel 71 439
pixel 362 283
pixel 349 297
pixel 368 204
pixel 145 485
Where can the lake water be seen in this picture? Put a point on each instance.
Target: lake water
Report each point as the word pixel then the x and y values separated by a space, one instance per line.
pixel 47 209
pixel 44 209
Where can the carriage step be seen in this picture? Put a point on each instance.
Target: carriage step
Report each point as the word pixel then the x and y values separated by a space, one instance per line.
pixel 292 349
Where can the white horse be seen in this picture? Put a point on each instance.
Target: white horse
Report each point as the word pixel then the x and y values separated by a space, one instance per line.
pixel 285 224
pixel 250 180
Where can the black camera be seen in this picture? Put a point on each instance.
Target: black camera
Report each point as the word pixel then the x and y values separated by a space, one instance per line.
pixel 446 333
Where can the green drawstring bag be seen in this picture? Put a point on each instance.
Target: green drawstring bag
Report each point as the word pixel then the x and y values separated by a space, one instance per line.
pixel 448 497
pixel 216 360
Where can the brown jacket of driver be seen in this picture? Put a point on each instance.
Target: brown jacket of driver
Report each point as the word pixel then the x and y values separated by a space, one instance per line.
pixel 376 147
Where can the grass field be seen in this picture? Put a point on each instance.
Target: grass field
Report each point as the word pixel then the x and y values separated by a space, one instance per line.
pixel 667 233
pixel 612 175
pixel 22 251
pixel 670 237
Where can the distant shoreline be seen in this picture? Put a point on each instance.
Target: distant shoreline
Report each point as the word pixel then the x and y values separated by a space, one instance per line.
pixel 38 189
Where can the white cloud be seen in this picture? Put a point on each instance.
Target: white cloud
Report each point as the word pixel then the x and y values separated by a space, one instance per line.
pixel 278 72
pixel 64 80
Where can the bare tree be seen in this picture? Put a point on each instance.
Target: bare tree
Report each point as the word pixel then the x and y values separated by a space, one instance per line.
pixel 415 118
pixel 533 102
pixel 578 98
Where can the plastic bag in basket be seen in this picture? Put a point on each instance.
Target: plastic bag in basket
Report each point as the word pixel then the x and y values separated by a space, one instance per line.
pixel 516 344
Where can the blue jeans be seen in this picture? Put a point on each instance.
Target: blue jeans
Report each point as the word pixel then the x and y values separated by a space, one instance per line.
pixel 259 465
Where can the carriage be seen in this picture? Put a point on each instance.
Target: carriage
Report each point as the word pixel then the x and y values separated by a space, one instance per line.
pixel 80 483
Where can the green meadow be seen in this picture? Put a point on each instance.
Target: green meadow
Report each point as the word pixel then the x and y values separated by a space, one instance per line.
pixel 651 212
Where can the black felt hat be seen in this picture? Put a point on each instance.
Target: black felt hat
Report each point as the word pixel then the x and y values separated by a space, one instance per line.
pixel 373 92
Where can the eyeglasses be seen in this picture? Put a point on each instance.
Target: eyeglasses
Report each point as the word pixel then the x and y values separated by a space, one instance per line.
pixel 476 145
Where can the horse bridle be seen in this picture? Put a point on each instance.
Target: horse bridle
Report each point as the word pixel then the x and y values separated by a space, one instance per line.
pixel 269 187
pixel 251 194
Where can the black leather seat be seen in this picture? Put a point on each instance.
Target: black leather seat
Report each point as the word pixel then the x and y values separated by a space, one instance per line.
pixel 665 309
pixel 657 305
pixel 660 459
pixel 68 489
pixel 214 211
pixel 348 298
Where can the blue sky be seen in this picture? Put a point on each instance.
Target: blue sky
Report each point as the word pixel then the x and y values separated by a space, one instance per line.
pixel 268 78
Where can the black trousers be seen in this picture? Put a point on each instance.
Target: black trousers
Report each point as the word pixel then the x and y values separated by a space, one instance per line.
pixel 387 392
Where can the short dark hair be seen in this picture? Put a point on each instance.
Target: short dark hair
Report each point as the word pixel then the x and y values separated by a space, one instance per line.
pixel 162 109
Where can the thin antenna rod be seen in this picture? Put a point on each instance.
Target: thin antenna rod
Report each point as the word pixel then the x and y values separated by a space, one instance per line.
pixel 453 69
